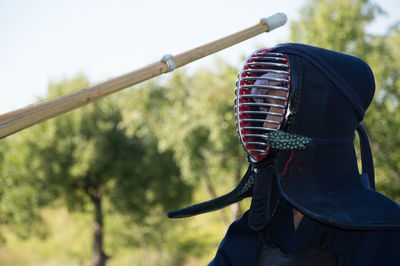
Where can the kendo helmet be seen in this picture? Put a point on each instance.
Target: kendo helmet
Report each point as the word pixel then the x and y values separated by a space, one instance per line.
pixel 298 107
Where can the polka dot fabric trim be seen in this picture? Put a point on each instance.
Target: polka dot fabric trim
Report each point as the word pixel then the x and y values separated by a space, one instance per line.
pixel 285 141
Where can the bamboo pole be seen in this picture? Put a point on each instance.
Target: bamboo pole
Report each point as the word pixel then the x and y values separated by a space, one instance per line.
pixel 17 120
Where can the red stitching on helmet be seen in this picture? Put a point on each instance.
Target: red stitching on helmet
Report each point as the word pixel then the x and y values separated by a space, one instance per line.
pixel 300 170
pixel 287 163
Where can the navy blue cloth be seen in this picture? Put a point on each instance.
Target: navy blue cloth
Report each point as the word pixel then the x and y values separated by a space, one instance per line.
pixel 351 247
pixel 329 93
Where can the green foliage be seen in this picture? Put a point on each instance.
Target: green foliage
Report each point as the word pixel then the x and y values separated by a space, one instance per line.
pixel 193 115
pixel 335 24
pixel 84 157
pixel 20 201
pixel 383 118
pixel 88 152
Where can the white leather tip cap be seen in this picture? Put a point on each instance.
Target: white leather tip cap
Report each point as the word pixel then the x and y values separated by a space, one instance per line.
pixel 275 21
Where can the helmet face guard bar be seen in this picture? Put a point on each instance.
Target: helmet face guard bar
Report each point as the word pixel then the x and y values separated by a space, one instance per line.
pixel 261 99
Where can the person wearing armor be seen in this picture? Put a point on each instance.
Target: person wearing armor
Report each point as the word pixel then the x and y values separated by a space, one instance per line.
pixel 297 110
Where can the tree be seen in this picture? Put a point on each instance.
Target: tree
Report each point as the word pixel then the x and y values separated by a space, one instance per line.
pixel 336 24
pixel 19 201
pixel 383 119
pixel 86 157
pixel 341 26
pixel 194 116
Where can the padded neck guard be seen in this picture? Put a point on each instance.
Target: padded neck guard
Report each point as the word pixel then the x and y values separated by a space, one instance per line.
pixel 330 94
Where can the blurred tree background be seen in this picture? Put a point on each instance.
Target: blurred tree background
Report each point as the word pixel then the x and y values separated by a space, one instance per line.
pixel 92 187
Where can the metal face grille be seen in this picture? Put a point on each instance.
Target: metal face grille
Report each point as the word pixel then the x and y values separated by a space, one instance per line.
pixel 261 99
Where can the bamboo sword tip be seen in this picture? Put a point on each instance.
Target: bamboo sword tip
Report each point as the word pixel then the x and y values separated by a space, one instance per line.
pixel 275 21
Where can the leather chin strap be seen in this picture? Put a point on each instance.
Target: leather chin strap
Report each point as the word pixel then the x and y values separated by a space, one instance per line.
pixel 367 161
pixel 265 196
pixel 259 182
pixel 243 190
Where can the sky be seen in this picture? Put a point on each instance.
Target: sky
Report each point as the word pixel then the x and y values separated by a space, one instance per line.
pixel 43 41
